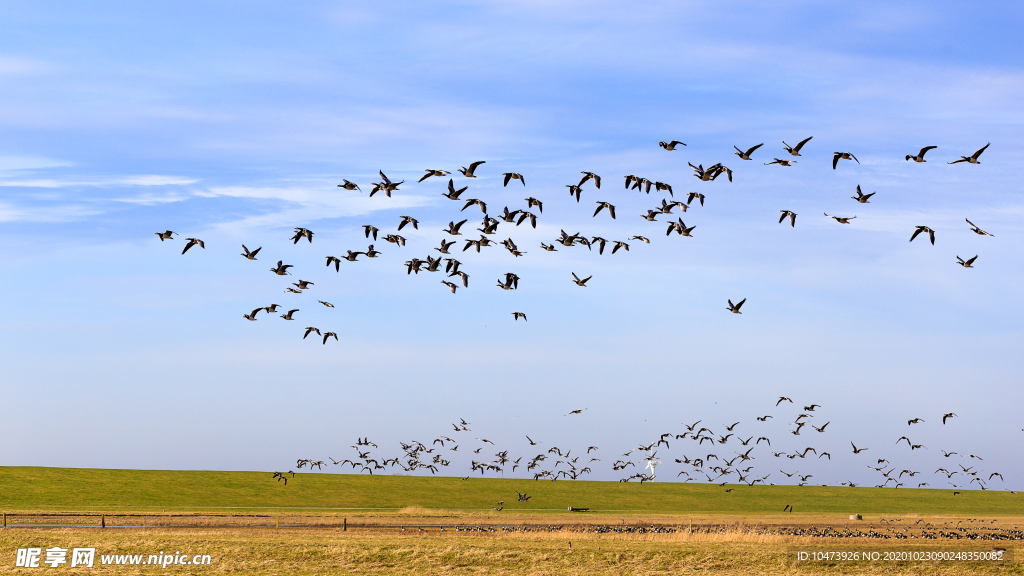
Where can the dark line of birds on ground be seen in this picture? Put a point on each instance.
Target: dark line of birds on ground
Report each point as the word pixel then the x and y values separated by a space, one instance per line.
pixel 489 225
pixel 715 467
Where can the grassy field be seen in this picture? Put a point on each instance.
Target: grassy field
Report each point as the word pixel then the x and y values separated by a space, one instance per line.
pixel 33 488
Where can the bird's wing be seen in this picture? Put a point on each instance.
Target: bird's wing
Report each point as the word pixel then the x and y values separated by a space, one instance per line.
pixel 801 144
pixel 914 235
pixel 835 160
pixel 508 176
pixel 982 149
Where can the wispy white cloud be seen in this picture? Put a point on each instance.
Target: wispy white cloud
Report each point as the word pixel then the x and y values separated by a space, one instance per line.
pixel 142 180
pixel 14 66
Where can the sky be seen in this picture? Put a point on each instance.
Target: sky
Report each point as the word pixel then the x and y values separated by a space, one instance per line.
pixel 234 122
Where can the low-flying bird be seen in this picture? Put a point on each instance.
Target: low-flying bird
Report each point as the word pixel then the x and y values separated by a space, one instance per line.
pixel 451 285
pixel 509 176
pixel 327 304
pixel 746 155
pixel 480 203
pixel 914 421
pixel 192 242
pixel 691 195
pixel 795 150
pixel 920 155
pixel 944 416
pixel 784 398
pixel 735 308
pixel 969 263
pixel 580 411
pixel 973 158
pixel 920 229
pixel 531 202
pixel 453 228
pixel 837 156
pixel 439 173
pixel 855 449
pixel 590 176
pixel 670 145
pixel 470 172
pixel 791 215
pixel 780 162
pixel 641 238
pixel 288 316
pixel 349 185
pixel 252 315
pixel 977 230
pixel 370 229
pixel 575 190
pixel 862 197
pixel 602 206
pixel 517 315
pixel 579 282
pixel 250 255
pixel 371 253
pixel 311 329
pixel 842 219
pixel 166 235
pixel 328 335
pixel 619 244
pixel 445 246
pixel 281 269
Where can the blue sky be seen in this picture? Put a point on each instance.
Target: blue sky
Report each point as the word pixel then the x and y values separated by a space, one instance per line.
pixel 233 122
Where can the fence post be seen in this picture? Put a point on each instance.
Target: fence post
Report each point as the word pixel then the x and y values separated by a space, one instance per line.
pixel 278 522
pixel 103 521
pixel 5 519
pixel 344 529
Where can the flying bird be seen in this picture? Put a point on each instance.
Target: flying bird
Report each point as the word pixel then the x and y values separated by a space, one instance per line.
pixel 470 172
pixel 920 155
pixel 311 329
pixel 327 304
pixel 791 215
pixel 836 156
pixel 945 416
pixel 408 220
pixel 842 219
pixel 370 229
pixel 166 235
pixel 795 150
pixel 513 176
pixel 920 229
pixel 735 308
pixel 252 315
pixel 518 315
pixel 250 255
pixel 439 173
pixel 966 263
pixel 977 230
pixel 781 162
pixel 670 145
pixel 192 242
pixel 746 155
pixel 349 185
pixel 602 206
pixel 973 159
pixel 855 449
pixel 580 411
pixel 589 176
pixel 862 197
pixel 288 316
pixel 301 233
pixel 579 282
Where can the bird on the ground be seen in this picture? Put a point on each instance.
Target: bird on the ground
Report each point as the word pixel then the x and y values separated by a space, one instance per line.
pixel 977 230
pixel 470 172
pixel 328 335
pixel 579 282
pixel 973 158
pixel 842 219
pixel 836 156
pixel 252 315
pixel 920 155
pixel 862 197
pixel 746 155
pixel 509 176
pixel 370 229
pixel 349 185
pixel 670 145
pixel 408 220
pixel 795 150
pixel 517 316
pixel 281 269
pixel 192 242
pixel 602 206
pixel 301 233
pixel 327 304
pixel 780 162
pixel 250 255
pixel 791 215
pixel 969 263
pixel 735 308
pixel 920 229
pixel 439 173
pixel 166 235
pixel 288 316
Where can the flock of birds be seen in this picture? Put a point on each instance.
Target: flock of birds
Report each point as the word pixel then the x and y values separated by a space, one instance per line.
pixel 702 452
pixel 737 466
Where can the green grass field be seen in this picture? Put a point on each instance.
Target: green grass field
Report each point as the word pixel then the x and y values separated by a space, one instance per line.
pixel 34 488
